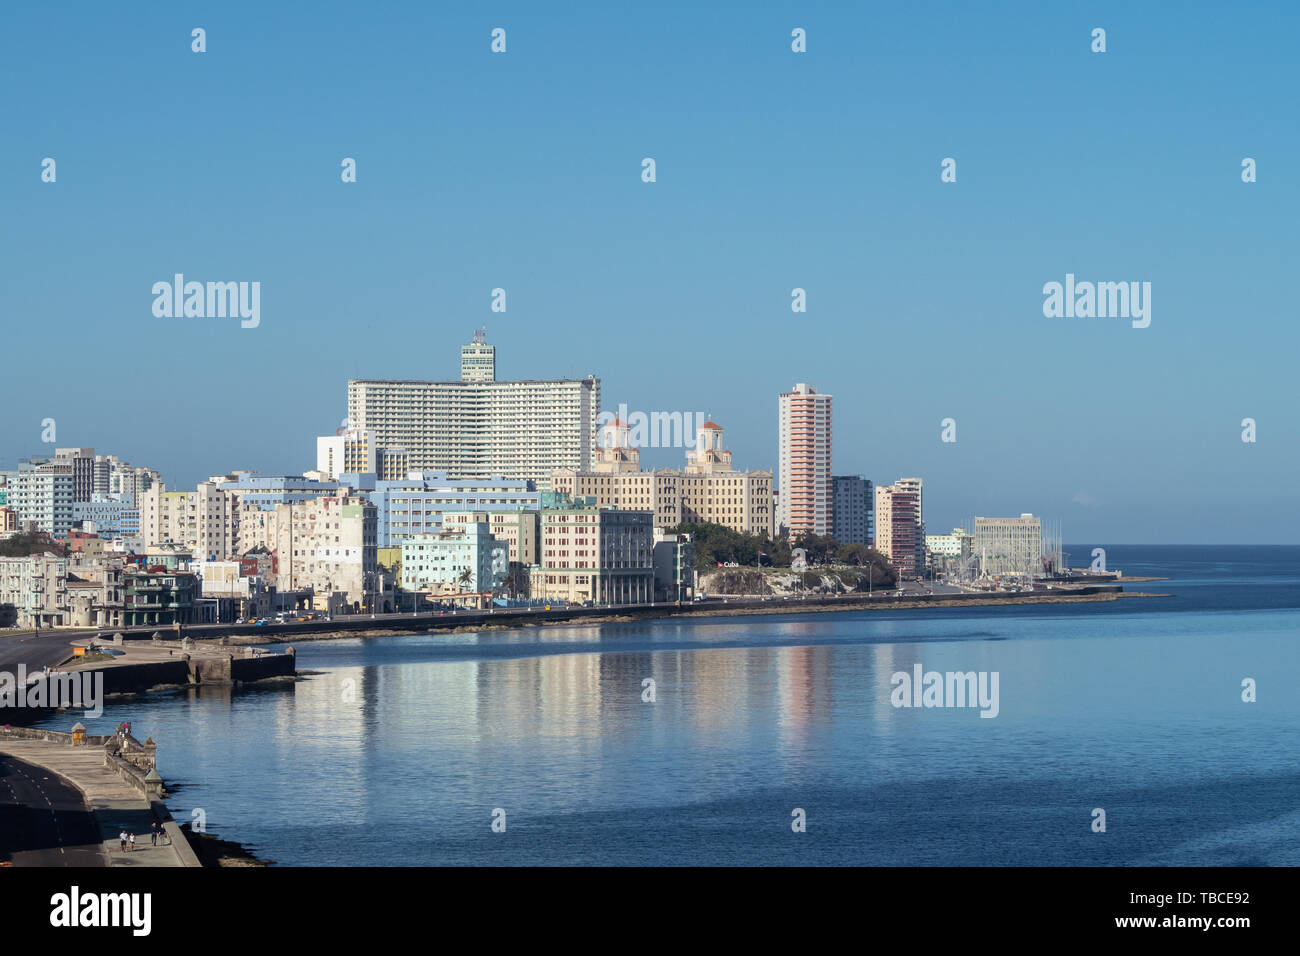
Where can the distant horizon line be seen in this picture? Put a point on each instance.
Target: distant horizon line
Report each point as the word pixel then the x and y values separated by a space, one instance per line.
pixel 1222 544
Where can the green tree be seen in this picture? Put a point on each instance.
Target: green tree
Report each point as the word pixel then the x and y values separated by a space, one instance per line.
pixel 717 544
pixel 856 555
pixel 35 542
pixel 818 548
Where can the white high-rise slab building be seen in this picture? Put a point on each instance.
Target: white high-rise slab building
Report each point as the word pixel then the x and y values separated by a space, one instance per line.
pixel 481 428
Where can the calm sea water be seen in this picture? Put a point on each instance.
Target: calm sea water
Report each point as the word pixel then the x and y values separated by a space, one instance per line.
pixel 400 751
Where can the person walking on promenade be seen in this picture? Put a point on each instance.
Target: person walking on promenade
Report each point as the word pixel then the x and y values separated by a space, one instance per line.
pixel 122 835
pixel 153 833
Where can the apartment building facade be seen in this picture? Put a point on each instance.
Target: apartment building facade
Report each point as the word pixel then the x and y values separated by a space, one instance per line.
pixel 674 561
pixel 41 492
pixel 854 510
pixel 462 559
pixel 158 598
pixel 519 530
pixel 804 462
pixel 205 520
pixel 419 503
pixel 900 530
pixel 327 545
pixel 80 463
pixel 37 587
pixel 595 554
pixel 121 479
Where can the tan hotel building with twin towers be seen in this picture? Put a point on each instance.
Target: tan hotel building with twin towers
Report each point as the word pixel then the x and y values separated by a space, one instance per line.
pixel 708 489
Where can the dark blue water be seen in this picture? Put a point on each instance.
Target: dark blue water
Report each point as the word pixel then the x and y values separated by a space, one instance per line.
pixel 400 751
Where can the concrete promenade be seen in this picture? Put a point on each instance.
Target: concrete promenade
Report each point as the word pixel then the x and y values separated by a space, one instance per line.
pixel 115 803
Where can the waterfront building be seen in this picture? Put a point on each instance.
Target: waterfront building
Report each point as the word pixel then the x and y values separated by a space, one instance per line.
pixel 158 598
pixel 480 428
pixel 238 592
pixel 854 510
pixel 327 545
pixel 96 588
pixel 596 554
pixel 37 587
pixel 804 462
pixel 900 530
pixel 461 560
pixel 518 532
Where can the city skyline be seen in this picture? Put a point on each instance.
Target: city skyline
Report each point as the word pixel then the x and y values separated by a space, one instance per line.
pixel 677 293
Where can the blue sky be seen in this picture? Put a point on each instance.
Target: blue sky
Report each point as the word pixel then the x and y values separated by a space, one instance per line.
pixel 775 171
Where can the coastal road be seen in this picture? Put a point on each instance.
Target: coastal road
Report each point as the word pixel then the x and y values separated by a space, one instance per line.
pixel 49 649
pixel 36 651
pixel 43 821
